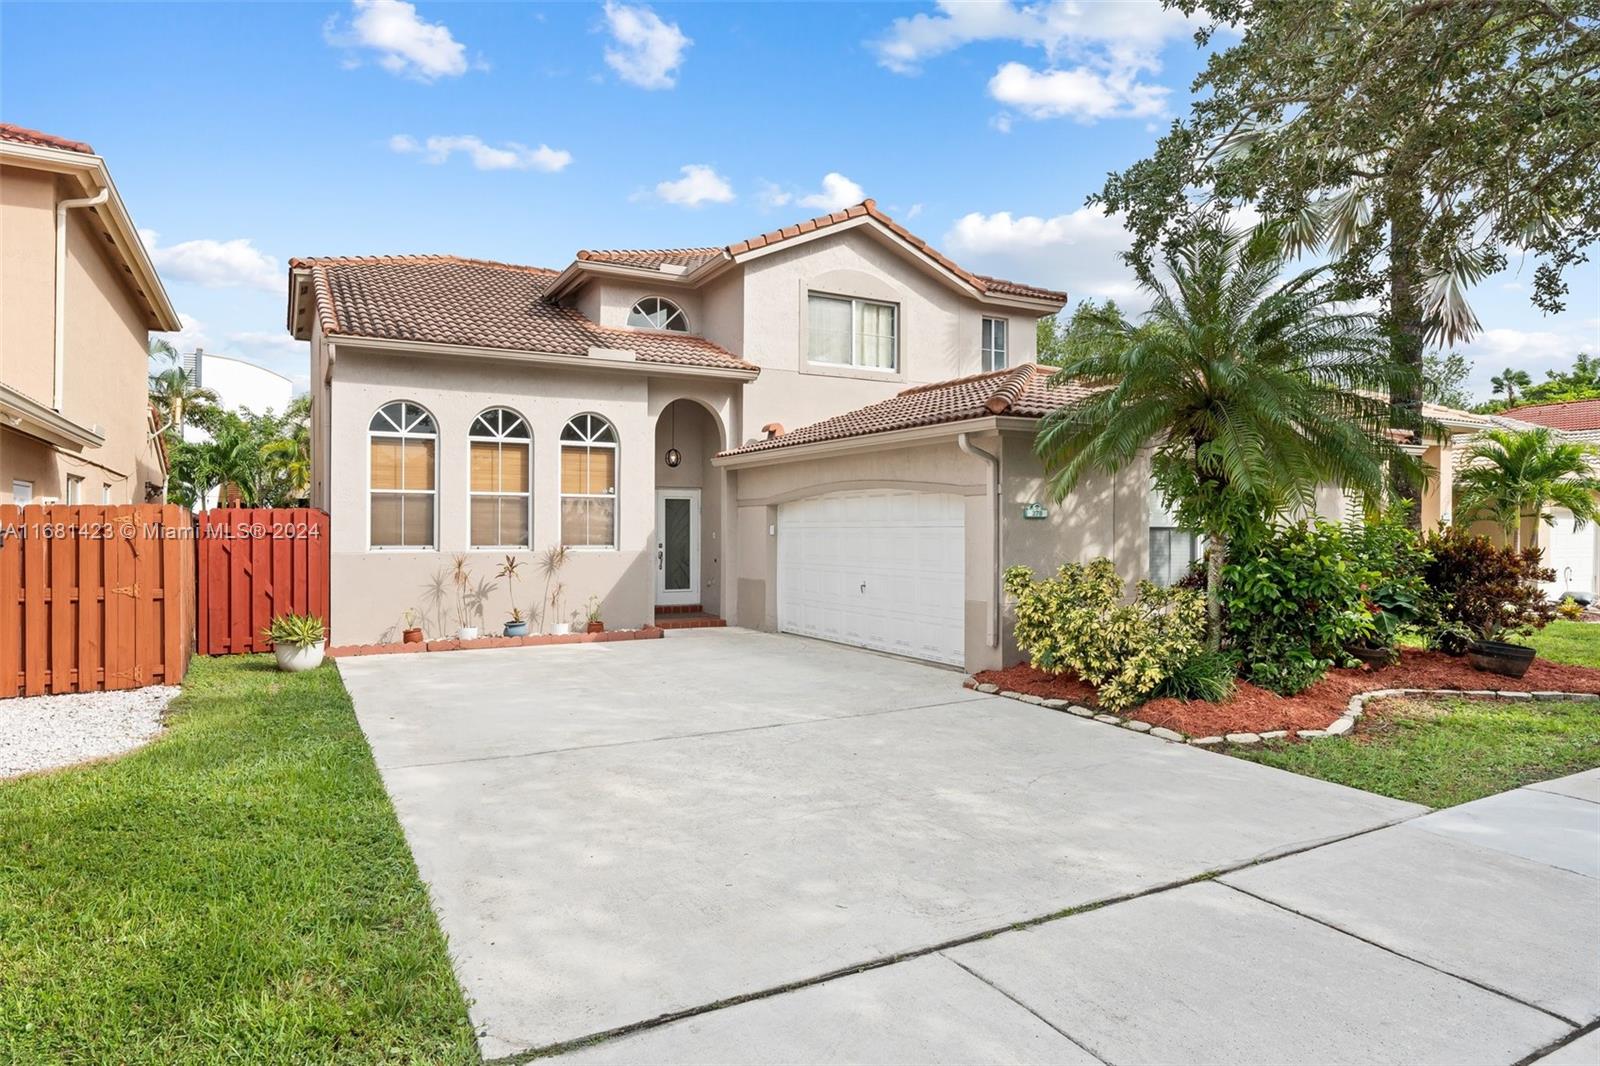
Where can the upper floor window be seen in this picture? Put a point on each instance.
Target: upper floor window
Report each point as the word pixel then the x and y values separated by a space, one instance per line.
pixel 994 344
pixel 501 450
pixel 846 332
pixel 653 312
pixel 403 471
pixel 589 483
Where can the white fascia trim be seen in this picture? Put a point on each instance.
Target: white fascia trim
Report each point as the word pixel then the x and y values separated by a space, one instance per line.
pixel 34 419
pixel 870 441
pixel 93 174
pixel 636 366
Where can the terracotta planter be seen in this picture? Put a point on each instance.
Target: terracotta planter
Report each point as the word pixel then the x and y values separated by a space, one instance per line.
pixel 595 626
pixel 412 635
pixel 1497 657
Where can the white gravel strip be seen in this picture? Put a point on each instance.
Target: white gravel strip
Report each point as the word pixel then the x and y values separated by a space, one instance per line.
pixel 44 732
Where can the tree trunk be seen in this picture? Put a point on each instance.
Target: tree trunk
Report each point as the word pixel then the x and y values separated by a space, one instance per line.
pixel 1406 216
pixel 1216 550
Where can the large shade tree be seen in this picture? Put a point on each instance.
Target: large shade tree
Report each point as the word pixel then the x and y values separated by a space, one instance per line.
pixel 1509 477
pixel 1416 143
pixel 1250 391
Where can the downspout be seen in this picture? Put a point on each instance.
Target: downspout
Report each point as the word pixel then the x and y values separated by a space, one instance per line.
pixel 964 442
pixel 61 289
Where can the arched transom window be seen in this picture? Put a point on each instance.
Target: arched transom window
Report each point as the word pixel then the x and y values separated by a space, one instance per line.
pixel 501 460
pixel 653 312
pixel 589 483
pixel 403 463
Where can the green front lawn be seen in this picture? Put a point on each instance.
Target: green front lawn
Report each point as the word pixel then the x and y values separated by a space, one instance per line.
pixel 238 892
pixel 1567 642
pixel 1441 752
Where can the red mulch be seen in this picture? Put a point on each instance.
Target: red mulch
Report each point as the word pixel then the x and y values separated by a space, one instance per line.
pixel 1257 710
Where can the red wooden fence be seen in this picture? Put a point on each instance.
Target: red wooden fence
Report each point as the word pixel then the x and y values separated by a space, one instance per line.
pixel 255 564
pixel 94 597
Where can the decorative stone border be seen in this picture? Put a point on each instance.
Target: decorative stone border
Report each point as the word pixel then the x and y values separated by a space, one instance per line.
pixel 1344 724
pixel 534 641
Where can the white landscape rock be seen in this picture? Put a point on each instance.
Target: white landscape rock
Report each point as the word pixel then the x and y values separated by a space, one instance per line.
pixel 46 732
pixel 1166 734
pixel 1341 727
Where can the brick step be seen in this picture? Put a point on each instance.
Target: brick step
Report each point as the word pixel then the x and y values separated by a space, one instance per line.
pixel 680 608
pixel 697 620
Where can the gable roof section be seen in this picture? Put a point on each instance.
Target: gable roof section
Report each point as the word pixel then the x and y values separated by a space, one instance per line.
pixel 1020 392
pixel 691 259
pixel 478 303
pixel 1573 415
pixel 40 139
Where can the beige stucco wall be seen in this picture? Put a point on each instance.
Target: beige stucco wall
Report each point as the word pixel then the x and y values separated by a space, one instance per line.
pixel 1103 517
pixel 105 350
pixel 372 588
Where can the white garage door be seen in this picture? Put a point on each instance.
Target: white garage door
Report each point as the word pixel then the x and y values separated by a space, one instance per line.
pixel 881 570
pixel 1570 554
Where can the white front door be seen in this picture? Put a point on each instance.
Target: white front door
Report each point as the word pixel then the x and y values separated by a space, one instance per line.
pixel 677 547
pixel 881 570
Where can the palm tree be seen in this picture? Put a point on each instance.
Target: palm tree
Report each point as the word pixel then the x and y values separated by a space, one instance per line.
pixel 1509 382
pixel 1250 392
pixel 1510 476
pixel 172 391
pixel 288 455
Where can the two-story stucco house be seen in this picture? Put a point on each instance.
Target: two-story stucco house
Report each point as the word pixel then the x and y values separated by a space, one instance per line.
pixel 824 430
pixel 78 299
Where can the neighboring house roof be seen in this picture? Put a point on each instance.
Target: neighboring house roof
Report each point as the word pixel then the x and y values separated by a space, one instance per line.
pixel 445 299
pixel 23 135
pixel 1020 392
pixel 1574 415
pixel 690 259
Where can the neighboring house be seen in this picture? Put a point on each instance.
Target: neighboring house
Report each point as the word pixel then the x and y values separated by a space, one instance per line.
pixel 78 299
pixel 1577 420
pixel 239 386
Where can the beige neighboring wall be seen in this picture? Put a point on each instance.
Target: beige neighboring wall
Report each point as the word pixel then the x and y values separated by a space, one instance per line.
pixel 105 346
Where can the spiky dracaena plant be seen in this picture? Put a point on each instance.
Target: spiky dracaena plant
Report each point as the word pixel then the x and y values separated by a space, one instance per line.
pixel 1510 476
pixel 1249 391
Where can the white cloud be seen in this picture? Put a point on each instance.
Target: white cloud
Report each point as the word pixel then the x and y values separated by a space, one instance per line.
pixel 913 211
pixel 700 184
pixel 647 51
pixel 774 195
pixel 508 156
pixel 406 44
pixel 838 192
pixel 1078 251
pixel 215 264
pixel 1099 55
pixel 1080 93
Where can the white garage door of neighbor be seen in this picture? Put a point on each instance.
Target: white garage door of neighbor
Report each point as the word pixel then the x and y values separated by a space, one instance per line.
pixel 881 570
pixel 1570 553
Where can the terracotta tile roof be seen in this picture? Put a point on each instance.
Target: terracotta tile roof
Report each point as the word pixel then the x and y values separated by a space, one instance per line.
pixel 1020 392
pixel 23 135
pixel 1577 414
pixel 446 299
pixel 690 258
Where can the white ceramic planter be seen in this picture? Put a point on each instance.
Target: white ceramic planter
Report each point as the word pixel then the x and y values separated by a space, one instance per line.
pixel 561 629
pixel 294 659
pixel 467 633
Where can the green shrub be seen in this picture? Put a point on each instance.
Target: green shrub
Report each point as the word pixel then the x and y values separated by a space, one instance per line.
pixel 1394 560
pixel 1295 598
pixel 1210 675
pixel 1077 621
pixel 300 630
pixel 1570 609
pixel 1482 591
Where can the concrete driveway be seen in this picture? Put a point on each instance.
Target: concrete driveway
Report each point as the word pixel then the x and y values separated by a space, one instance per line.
pixel 619 833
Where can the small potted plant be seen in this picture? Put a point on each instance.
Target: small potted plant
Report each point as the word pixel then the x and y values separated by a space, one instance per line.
pixel 511 570
pixel 297 640
pixel 461 578
pixel 557 591
pixel 412 633
pixel 551 560
pixel 592 614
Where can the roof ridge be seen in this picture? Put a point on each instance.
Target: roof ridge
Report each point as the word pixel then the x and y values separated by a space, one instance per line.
pixel 1552 403
pixel 10 131
pixel 382 260
pixel 592 253
pixel 1011 389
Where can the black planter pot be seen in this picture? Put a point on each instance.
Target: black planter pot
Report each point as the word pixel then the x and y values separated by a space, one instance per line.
pixel 1497 657
pixel 1373 657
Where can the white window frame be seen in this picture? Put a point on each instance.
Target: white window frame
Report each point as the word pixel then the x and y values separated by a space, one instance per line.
pixel 666 326
pixel 855 363
pixel 403 434
pixel 502 440
pixel 74 488
pixel 615 495
pixel 21 492
pixel 105 492
pixel 991 350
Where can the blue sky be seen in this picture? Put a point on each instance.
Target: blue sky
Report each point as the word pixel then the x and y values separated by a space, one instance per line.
pixel 242 135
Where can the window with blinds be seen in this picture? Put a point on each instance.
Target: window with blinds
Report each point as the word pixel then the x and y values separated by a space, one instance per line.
pixel 403 468
pixel 589 483
pixel 500 450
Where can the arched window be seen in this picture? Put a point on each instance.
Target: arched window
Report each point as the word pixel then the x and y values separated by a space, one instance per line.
pixel 589 483
pixel 653 312
pixel 501 451
pixel 403 472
